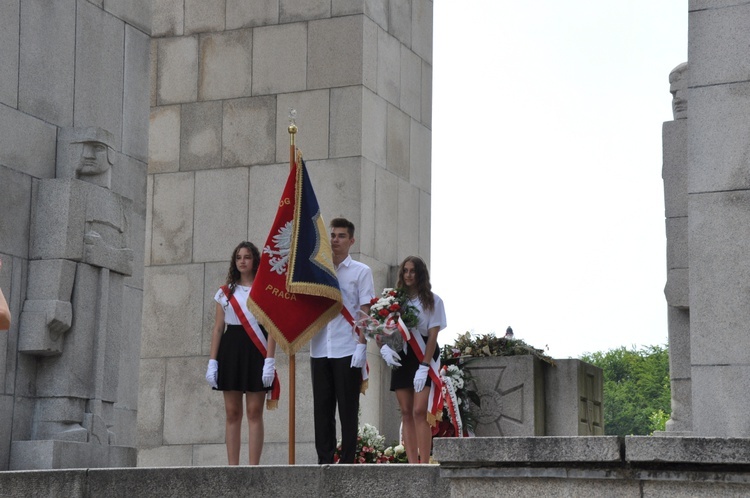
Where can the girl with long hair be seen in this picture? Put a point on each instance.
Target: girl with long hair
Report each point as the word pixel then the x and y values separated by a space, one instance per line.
pixel 238 363
pixel 411 381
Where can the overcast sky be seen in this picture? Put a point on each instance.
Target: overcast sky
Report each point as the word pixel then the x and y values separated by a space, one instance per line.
pixel 547 198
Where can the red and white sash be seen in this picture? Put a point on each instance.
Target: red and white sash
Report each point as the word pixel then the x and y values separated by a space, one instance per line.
pixel 366 369
pixel 260 341
pixel 435 401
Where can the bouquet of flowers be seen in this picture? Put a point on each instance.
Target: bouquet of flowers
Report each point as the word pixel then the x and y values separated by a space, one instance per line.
pixel 458 385
pixel 382 324
pixel 370 446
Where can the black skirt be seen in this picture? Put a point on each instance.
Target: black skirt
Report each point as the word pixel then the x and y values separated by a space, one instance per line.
pixel 240 362
pixel 403 376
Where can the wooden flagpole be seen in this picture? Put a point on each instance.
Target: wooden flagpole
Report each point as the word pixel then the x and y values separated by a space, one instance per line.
pixel 292 129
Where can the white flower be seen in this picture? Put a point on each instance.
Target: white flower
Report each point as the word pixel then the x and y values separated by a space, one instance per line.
pixel 388 451
pixel 399 449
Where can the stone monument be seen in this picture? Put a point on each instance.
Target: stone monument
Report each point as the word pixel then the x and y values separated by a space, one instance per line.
pixel 674 173
pixel 72 316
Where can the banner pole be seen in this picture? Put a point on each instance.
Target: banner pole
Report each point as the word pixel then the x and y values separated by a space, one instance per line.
pixel 292 129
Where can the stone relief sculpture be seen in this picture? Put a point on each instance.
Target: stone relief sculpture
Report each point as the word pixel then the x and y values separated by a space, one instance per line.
pixel 677 288
pixel 678 80
pixel 71 320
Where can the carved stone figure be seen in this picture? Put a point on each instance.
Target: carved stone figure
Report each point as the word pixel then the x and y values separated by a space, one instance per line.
pixel 71 320
pixel 677 289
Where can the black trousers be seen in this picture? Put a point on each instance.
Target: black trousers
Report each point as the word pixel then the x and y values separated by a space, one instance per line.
pixel 335 382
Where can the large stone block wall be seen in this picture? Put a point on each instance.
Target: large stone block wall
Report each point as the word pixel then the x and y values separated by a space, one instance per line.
pixel 224 76
pixel 69 63
pixel 718 186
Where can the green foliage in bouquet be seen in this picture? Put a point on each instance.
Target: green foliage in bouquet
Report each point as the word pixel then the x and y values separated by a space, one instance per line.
pixel 491 345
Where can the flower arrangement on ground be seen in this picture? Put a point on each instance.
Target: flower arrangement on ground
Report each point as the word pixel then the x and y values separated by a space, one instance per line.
pixel 458 420
pixel 386 313
pixel 370 446
pixel 491 345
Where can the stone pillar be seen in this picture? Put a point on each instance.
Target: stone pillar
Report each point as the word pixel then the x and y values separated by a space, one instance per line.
pixel 674 174
pixel 73 153
pixel 225 75
pixel 719 219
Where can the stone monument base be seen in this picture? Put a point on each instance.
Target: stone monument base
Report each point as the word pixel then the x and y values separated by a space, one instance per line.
pixel 54 454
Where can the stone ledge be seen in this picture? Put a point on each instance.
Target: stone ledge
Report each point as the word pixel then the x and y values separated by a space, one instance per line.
pixel 692 450
pixel 522 450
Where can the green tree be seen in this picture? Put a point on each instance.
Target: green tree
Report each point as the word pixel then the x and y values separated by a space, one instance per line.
pixel 636 389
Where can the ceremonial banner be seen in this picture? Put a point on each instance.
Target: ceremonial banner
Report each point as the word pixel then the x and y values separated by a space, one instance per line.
pixel 296 292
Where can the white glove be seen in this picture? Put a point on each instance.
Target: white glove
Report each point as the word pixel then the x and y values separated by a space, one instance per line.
pixel 390 356
pixel 212 373
pixel 420 377
pixel 359 358
pixel 269 368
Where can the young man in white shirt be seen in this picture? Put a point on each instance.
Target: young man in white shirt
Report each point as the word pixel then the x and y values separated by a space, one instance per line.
pixel 338 353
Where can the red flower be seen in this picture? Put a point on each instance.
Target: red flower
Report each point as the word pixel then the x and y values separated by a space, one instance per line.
pixel 394 307
pixel 373 300
pixel 384 312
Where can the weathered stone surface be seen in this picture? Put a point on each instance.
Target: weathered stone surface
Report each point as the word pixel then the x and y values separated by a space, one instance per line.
pixel 6 412
pixel 164 139
pixel 20 134
pixel 177 70
pixel 48 40
pixel 366 229
pixel 167 18
pixel 337 181
pixel 10 41
pixel 386 239
pixel 425 233
pixel 410 100
pixel 677 290
pixel 129 360
pixel 421 29
pixel 152 381
pixel 249 131
pixel 397 142
pixel 272 72
pixel 488 451
pixel 14 204
pixel 29 455
pixel 334 56
pixel 399 20
pixel 199 409
pixel 719 272
pixel 172 223
pixel 172 320
pixel 377 10
pixel 134 12
pixel 220 217
pixel 370 33
pixel 99 71
pixel 303 10
pixel 389 68
pixel 675 167
pixel 677 242
pixel 420 155
pixel 719 402
pixel 408 216
pixel 717 137
pixel 135 117
pixel 312 117
pixel 243 14
pixel 215 277
pixel 166 456
pixel 266 185
pixel 201 16
pixel 226 61
pixel 714 46
pixel 345 137
pixel 375 121
pixel 687 449
pixel 200 136
pixel 426 110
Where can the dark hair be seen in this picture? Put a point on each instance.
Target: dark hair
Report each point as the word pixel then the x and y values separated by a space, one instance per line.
pixel 423 285
pixel 343 223
pixel 233 276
